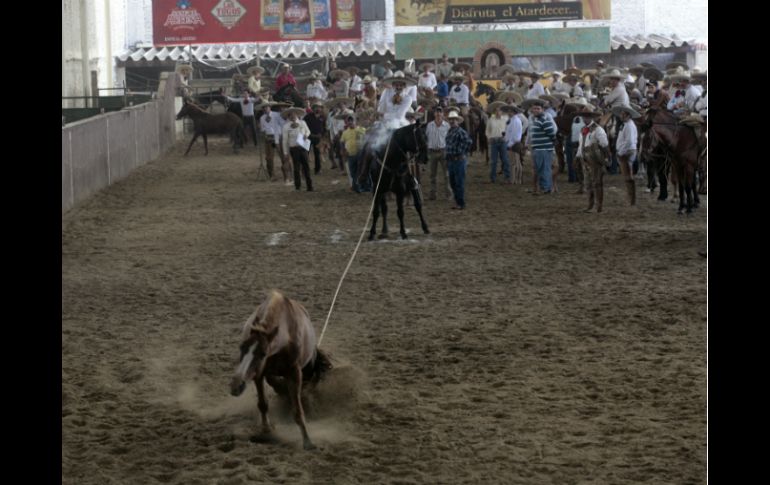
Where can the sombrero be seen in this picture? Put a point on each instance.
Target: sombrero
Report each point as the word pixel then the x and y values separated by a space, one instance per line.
pixel 353 70
pixel 398 77
pixel 338 73
pixel 613 74
pixel 674 65
pixel 581 103
pixel 429 65
pixel 491 107
pixel 508 96
pixel 461 66
pixel 506 68
pixel 616 110
pixel 573 70
pixel 333 103
pixel 346 114
pixel 184 68
pixel 255 69
pixel 528 103
pixel 298 111
pixel 560 96
pixel 653 74
pixel 551 100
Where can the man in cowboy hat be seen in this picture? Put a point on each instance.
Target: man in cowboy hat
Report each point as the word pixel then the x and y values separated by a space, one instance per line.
pixel 340 82
pixel 626 147
pixel 495 131
pixel 247 110
pixel 285 77
pixel 271 125
pixel 315 121
pixel 541 136
pixel 572 87
pixel 427 78
pixel 509 82
pixel 513 133
pixel 444 67
pixel 618 95
pixel 458 144
pixel 356 86
pixel 395 101
pixel 295 131
pixel 369 93
pixel 459 93
pixel 535 88
pixel 255 83
pixel 436 132
pixel 593 152
pixel 387 69
pixel 558 86
pixel 315 89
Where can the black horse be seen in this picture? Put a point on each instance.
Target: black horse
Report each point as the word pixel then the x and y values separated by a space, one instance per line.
pixel 289 94
pixel 392 159
pixel 205 124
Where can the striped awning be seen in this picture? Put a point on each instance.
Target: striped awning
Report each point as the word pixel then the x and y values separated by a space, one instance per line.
pixel 251 51
pixel 654 41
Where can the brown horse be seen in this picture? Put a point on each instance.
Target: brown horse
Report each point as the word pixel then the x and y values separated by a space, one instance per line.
pixel 683 147
pixel 205 124
pixel 279 345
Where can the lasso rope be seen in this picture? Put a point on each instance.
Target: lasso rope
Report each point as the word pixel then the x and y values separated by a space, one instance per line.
pixel 355 251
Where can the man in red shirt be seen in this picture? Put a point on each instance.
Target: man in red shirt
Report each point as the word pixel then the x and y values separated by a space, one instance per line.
pixel 285 78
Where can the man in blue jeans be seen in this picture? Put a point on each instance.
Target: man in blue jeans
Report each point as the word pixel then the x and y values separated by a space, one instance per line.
pixel 496 125
pixel 458 143
pixel 540 137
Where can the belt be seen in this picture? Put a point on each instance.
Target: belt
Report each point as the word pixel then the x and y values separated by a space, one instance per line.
pixel 436 149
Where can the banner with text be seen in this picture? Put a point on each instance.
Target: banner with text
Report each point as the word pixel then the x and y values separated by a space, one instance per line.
pixel 524 42
pixel 411 13
pixel 176 22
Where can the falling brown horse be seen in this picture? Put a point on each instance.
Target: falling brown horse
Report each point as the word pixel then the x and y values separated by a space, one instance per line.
pixel 684 148
pixel 279 345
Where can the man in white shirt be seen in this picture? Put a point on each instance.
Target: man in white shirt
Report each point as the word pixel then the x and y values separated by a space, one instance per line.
pixel 495 131
pixel 247 110
pixel 558 86
pixel 395 102
pixel 460 93
pixel 444 67
pixel 316 87
pixel 618 95
pixel 255 83
pixel 271 125
pixel 436 132
pixel 427 78
pixel 295 132
pixel 593 152
pixel 535 88
pixel 573 88
pixel 356 86
pixel 513 133
pixel 626 147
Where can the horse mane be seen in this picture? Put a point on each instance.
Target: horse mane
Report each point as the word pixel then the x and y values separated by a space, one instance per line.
pixel 262 320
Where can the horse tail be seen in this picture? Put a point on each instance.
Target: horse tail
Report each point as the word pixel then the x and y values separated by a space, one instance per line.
pixel 317 368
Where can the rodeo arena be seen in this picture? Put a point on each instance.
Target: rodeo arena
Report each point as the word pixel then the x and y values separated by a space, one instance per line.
pixel 534 310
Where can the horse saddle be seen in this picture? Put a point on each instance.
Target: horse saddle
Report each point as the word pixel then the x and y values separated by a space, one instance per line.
pixel 605 118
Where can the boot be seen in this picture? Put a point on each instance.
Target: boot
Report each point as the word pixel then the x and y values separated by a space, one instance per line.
pixel 590 201
pixel 631 188
pixel 599 198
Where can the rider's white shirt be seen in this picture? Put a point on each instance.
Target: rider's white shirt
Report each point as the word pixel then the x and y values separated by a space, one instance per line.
pixel 393 115
pixel 535 91
pixel 428 81
pixel 618 97
pixel 460 97
pixel 316 90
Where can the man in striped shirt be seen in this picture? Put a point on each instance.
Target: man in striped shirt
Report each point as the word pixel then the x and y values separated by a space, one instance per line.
pixel 458 143
pixel 540 137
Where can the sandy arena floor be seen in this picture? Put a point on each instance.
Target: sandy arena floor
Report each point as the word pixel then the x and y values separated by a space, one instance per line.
pixel 521 342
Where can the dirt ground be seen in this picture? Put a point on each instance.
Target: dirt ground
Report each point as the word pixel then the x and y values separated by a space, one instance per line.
pixel 521 342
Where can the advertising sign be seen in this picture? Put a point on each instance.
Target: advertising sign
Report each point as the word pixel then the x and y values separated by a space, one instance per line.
pixel 447 12
pixel 177 22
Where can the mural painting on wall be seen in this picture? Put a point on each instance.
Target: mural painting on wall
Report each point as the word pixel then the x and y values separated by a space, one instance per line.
pixel 179 22
pixel 444 12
